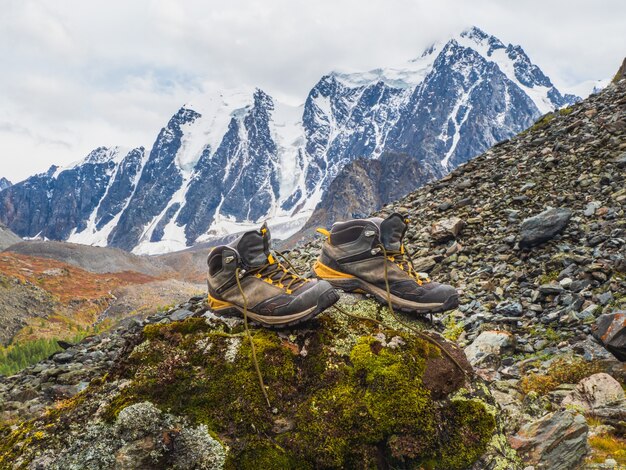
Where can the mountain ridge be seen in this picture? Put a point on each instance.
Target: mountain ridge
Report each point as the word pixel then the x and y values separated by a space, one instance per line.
pixel 275 161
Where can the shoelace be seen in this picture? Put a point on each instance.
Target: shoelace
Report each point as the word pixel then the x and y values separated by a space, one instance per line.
pixel 404 261
pixel 249 336
pixel 296 275
pixel 275 272
pixel 262 272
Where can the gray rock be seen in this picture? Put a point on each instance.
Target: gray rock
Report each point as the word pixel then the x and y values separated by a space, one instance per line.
pixel 620 160
pixel 550 289
pixel 488 347
pixel 508 308
pixel 566 282
pixel 591 208
pixel 543 227
pixel 596 392
pixel 580 285
pixel 64 357
pixel 425 264
pixel 588 314
pixel 180 314
pixel 605 297
pixel 558 441
pixel 610 330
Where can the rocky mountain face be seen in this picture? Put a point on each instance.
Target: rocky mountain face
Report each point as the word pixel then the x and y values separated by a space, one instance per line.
pixel 4 183
pixel 62 202
pixel 363 186
pixel 532 233
pixel 224 163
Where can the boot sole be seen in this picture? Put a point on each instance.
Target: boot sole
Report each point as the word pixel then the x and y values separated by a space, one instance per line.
pixel 324 301
pixel 354 284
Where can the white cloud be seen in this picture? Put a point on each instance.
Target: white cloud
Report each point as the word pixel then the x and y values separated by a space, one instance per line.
pixel 78 74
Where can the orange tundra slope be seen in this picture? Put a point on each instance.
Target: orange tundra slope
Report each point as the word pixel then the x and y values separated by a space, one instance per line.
pixel 62 300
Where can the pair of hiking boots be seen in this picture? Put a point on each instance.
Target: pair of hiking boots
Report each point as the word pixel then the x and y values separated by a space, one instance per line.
pixel 361 255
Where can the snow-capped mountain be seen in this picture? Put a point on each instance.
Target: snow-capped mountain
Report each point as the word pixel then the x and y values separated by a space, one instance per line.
pixel 4 183
pixel 231 159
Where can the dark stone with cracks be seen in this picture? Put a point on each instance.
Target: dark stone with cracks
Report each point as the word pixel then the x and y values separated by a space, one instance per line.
pixel 543 227
pixel 557 441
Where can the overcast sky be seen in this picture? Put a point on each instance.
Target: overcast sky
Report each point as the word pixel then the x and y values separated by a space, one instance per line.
pixel 79 74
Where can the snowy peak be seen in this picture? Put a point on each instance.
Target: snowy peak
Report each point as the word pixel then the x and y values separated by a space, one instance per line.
pixel 484 41
pixel 5 183
pixel 513 61
pixel 105 155
pixel 510 59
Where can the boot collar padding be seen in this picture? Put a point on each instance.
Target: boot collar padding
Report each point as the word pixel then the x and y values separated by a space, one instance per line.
pixel 253 247
pixel 392 231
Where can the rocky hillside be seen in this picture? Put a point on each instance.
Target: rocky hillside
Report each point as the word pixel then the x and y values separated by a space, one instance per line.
pixel 91 258
pixel 43 298
pixel 532 233
pixel 232 158
pixel 7 237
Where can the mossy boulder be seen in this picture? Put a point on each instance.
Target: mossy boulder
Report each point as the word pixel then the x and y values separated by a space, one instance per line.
pixel 344 393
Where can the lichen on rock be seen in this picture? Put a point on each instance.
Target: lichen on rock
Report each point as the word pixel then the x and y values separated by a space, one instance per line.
pixel 344 393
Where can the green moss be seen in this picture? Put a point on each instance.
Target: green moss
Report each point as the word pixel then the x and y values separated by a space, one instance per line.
pixel 453 329
pixel 548 277
pixel 266 455
pixel 117 404
pixel 566 111
pixel 163 331
pixel 540 123
pixel 343 409
pixel 465 442
pixel 379 397
pixel 394 394
pixel 549 334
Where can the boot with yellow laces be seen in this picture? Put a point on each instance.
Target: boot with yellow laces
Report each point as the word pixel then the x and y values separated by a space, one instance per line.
pixel 246 278
pixel 368 255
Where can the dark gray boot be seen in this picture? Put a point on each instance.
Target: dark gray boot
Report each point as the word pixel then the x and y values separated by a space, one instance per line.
pixel 273 295
pixel 360 255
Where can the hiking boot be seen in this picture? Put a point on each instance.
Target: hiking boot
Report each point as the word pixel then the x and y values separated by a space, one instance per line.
pixel 245 277
pixel 362 255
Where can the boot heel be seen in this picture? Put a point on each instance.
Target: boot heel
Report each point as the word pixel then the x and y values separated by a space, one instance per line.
pixel 218 305
pixel 329 274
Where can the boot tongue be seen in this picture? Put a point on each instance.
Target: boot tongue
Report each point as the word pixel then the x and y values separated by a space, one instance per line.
pixel 254 247
pixel 392 231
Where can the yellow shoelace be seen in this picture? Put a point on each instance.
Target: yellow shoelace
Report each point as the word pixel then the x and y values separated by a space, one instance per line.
pixel 397 257
pixel 285 274
pixel 297 276
pixel 245 322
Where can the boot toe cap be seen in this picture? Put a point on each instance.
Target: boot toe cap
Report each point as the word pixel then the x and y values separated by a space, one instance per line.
pixel 313 294
pixel 441 293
